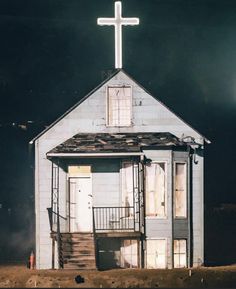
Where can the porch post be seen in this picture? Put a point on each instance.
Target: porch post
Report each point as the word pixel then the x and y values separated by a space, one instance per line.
pixel 56 211
pixel 142 209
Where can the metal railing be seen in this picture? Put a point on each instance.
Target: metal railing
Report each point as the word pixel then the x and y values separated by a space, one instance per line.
pixel 54 221
pixel 114 219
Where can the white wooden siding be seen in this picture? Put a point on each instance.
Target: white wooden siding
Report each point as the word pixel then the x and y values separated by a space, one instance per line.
pixel 149 115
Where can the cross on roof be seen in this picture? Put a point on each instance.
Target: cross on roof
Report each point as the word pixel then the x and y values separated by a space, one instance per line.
pixel 118 21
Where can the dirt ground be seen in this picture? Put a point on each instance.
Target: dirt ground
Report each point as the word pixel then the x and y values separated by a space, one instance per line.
pixel 16 276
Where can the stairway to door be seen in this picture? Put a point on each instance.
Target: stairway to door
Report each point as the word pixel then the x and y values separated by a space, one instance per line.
pixel 78 251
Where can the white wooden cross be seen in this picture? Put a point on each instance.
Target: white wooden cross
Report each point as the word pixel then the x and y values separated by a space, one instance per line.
pixel 118 21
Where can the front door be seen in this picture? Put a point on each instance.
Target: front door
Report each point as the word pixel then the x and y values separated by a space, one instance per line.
pixel 80 204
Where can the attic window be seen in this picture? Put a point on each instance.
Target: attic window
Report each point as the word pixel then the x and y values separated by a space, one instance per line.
pixel 119 102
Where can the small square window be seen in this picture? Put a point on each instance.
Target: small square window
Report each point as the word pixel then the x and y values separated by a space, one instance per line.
pixel 119 103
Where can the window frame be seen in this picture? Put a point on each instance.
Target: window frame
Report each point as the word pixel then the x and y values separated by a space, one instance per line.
pixel 107 104
pixel 166 250
pixel 135 177
pixel 186 252
pixel 123 254
pixel 187 190
pixel 166 192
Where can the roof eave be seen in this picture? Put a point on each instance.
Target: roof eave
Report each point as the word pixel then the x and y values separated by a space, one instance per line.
pixel 74 106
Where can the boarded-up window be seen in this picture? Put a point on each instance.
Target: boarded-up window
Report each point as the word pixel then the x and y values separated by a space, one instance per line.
pixel 119 106
pixel 156 190
pixel 156 253
pixel 129 254
pixel 180 256
pixel 75 171
pixel 180 198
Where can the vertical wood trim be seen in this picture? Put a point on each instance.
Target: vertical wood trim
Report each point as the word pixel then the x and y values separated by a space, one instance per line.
pixel 53 252
pixel 172 209
pixel 189 193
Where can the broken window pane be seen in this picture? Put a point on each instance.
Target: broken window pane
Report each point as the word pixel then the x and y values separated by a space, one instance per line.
pixel 119 106
pixel 127 183
pixel 156 253
pixel 129 188
pixel 129 254
pixel 180 255
pixel 156 190
pixel 180 190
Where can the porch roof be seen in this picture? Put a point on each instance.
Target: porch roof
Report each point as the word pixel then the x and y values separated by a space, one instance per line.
pixel 114 143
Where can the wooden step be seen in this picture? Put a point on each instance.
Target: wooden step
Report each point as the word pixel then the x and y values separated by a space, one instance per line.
pixel 81 251
pixel 82 263
pixel 78 266
pixel 78 251
pixel 77 244
pixel 79 258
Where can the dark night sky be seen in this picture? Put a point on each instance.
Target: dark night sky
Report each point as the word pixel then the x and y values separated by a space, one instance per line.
pixel 52 53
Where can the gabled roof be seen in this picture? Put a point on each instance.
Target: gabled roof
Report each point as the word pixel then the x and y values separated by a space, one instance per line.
pixel 75 105
pixel 115 142
pixel 96 88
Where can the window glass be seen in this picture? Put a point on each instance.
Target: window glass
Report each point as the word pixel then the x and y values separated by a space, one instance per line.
pixel 156 190
pixel 180 190
pixel 180 256
pixel 129 187
pixel 119 106
pixel 129 254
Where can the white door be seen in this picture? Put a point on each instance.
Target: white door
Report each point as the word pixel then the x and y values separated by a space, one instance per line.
pixel 80 204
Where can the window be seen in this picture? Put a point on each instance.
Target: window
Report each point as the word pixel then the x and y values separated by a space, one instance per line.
pixel 129 254
pixel 156 253
pixel 129 186
pixel 119 104
pixel 156 190
pixel 180 193
pixel 75 171
pixel 180 255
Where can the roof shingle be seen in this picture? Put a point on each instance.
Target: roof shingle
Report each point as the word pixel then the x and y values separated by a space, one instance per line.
pixel 115 142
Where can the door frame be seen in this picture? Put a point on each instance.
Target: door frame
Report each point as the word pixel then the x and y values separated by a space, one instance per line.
pixel 68 198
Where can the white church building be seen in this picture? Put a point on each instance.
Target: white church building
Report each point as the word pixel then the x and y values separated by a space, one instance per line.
pixel 119 180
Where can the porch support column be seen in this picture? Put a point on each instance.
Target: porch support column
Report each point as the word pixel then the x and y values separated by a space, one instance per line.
pixel 142 209
pixel 55 212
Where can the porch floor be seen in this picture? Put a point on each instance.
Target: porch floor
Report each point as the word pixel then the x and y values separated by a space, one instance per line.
pixel 116 234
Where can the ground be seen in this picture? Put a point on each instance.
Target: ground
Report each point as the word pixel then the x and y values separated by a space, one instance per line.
pixel 16 276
